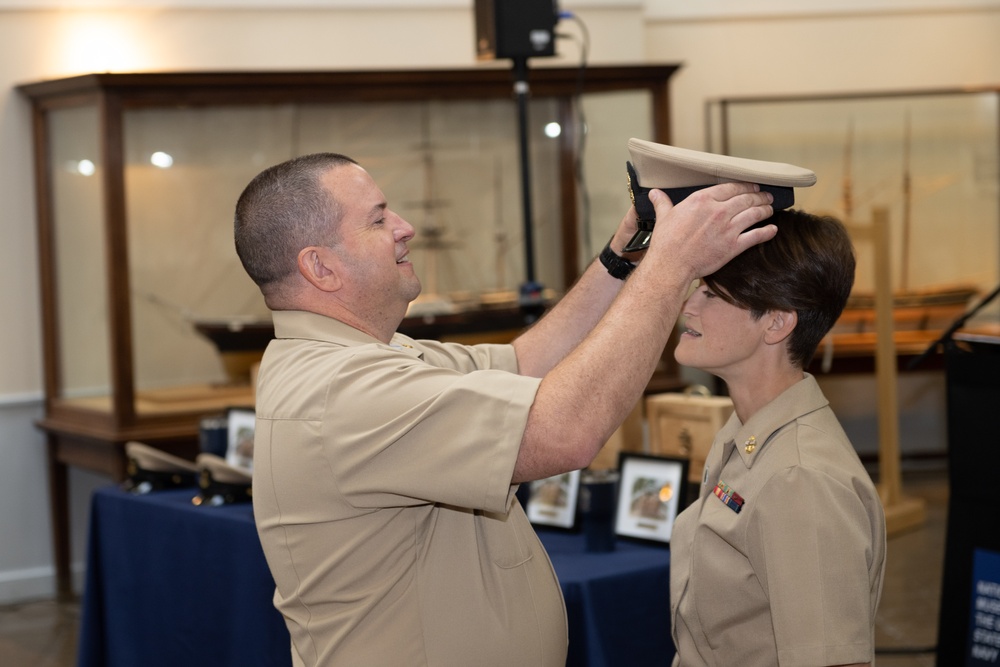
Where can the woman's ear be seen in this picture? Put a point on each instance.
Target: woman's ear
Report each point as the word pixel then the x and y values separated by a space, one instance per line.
pixel 319 266
pixel 781 323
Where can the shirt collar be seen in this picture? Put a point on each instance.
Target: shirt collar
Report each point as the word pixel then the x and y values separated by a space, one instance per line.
pixel 312 326
pixel 748 439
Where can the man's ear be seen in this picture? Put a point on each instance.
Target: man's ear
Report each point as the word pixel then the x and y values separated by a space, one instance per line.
pixel 781 323
pixel 319 266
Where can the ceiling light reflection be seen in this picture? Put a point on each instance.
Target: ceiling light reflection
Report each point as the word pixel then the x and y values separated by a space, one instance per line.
pixel 161 160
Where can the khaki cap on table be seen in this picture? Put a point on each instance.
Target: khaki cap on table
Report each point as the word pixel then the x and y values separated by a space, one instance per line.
pixel 221 483
pixel 151 469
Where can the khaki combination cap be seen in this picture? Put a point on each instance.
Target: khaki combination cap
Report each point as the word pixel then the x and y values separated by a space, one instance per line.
pixel 664 167
pixel 222 470
pixel 153 459
pixel 151 469
pixel 221 483
pixel 679 172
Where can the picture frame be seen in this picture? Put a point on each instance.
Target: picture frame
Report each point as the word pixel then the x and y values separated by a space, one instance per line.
pixel 651 493
pixel 553 501
pixel 240 426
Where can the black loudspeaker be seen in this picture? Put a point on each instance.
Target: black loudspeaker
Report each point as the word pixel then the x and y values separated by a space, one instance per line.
pixel 515 28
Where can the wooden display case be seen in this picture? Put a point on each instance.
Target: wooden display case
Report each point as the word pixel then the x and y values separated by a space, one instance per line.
pixel 137 175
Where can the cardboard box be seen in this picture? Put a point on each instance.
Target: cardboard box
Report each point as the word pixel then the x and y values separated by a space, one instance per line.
pixel 683 425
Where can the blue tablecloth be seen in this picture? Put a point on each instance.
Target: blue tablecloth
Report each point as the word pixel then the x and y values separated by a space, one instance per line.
pixel 169 583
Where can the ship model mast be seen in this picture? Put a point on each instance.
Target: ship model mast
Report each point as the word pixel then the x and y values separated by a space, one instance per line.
pixel 904 265
pixel 904 296
pixel 433 235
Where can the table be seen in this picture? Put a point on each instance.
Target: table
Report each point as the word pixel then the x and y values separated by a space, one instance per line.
pixel 617 603
pixel 100 448
pixel 172 584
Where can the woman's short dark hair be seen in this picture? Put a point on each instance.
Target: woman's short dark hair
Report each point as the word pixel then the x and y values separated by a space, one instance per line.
pixel 808 268
pixel 283 209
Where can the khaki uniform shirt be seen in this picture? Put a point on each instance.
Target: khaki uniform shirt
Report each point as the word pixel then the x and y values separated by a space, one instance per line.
pixel 794 577
pixel 383 502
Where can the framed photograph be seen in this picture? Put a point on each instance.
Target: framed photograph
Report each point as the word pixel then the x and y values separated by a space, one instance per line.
pixel 240 430
pixel 651 493
pixel 553 500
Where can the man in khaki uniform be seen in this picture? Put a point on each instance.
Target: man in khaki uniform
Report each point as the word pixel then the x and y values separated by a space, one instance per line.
pixel 385 468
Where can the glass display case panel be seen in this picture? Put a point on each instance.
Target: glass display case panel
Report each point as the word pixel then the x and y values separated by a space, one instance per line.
pixel 78 214
pixel 930 159
pixel 145 176
pixel 611 119
pixel 452 169
pixel 184 170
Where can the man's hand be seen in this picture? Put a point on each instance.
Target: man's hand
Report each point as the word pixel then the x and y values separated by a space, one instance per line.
pixel 597 349
pixel 710 227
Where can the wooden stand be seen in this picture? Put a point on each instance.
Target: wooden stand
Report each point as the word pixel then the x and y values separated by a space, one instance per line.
pixel 901 512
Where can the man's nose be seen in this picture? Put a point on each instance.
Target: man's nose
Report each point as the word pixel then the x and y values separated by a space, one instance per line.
pixel 404 231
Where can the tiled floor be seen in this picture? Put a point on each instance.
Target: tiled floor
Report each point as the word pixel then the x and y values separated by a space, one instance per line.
pixel 44 633
pixel 39 634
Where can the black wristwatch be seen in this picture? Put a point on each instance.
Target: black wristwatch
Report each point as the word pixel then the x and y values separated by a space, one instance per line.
pixel 617 266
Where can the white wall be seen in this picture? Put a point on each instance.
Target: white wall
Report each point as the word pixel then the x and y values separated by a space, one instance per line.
pixel 835 52
pixel 904 44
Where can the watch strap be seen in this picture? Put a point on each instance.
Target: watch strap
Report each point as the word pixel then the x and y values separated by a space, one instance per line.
pixel 617 266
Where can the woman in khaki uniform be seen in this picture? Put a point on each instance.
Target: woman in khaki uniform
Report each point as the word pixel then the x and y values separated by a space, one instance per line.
pixel 780 560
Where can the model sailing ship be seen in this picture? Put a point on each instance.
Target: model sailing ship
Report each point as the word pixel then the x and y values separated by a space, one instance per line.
pixel 919 314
